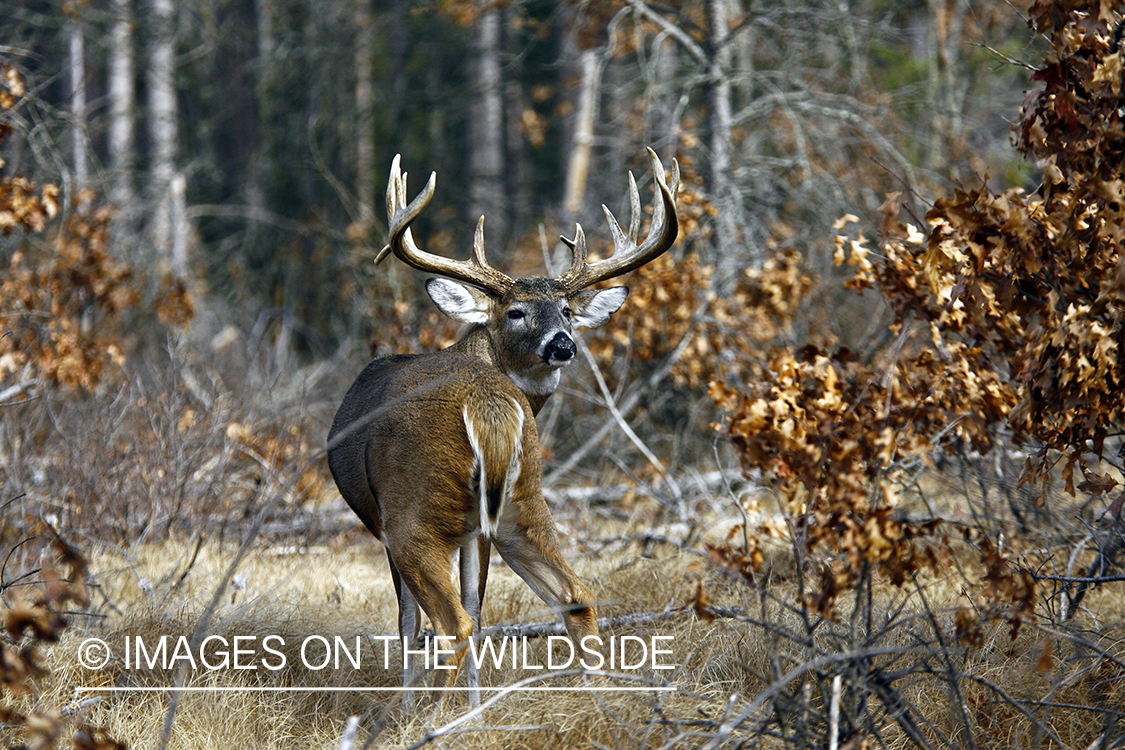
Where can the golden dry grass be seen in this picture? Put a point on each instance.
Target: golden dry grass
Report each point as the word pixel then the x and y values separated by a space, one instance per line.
pixel 328 593
pixel 346 591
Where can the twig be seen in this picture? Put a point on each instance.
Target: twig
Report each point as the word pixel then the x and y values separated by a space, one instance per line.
pixel 617 416
pixel 191 562
pixel 834 714
pixel 1070 579
pixel 673 31
pixel 204 620
pixel 626 405
pixel 775 689
pixel 15 390
pixel 76 706
pixel 449 728
pixel 957 698
pixel 555 627
pixel 7 585
pixel 17 497
pixel 899 709
pixel 1016 704
pixel 347 739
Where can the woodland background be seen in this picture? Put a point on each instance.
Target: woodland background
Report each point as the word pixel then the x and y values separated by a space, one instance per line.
pixel 856 439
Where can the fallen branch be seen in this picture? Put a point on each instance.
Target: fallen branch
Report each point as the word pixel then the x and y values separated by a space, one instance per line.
pixel 1071 579
pixel 555 627
pixel 451 727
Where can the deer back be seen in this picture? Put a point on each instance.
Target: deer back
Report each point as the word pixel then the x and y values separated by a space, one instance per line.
pixel 443 439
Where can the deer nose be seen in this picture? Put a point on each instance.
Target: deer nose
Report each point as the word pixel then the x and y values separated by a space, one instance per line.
pixel 560 348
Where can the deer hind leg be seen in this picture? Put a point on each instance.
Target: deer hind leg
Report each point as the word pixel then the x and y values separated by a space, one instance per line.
pixel 408 624
pixel 535 557
pixel 427 575
pixel 474 576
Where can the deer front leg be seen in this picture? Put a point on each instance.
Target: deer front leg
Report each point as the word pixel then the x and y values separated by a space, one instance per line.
pixel 535 557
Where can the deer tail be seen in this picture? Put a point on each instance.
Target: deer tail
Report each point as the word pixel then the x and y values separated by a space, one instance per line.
pixel 494 423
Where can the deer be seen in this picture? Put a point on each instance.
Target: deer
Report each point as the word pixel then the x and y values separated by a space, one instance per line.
pixel 438 453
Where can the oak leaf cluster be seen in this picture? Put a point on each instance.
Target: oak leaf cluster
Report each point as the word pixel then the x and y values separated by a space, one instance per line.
pixel 62 293
pixel 36 617
pixel 1008 319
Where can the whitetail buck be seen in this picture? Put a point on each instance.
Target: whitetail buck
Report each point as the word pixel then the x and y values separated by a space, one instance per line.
pixel 438 453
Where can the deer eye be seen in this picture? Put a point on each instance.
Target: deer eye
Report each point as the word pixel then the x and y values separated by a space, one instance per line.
pixel 516 315
pixel 567 312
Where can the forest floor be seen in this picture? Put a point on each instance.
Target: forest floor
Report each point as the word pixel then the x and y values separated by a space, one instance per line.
pixel 261 624
pixel 735 649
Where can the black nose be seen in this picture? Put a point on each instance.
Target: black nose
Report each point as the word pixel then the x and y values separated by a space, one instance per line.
pixel 561 347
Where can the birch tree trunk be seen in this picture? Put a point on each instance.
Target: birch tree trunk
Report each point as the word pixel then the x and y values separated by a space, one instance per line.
pixel 578 165
pixel 163 135
pixel 665 119
pixel 727 261
pixel 365 119
pixel 76 81
pixel 486 142
pixel 947 21
pixel 122 126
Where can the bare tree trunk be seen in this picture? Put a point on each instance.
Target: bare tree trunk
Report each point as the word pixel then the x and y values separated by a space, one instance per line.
pixel 615 105
pixel 177 196
pixel 163 134
pixel 857 55
pixel 76 80
pixel 947 19
pixel 666 125
pixel 365 118
pixel 744 45
pixel 727 262
pixel 516 172
pixel 486 158
pixel 578 165
pixel 122 125
pixel 265 13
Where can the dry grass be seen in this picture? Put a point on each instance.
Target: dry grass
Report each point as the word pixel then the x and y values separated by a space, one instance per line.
pixel 764 659
pixel 324 592
pixel 163 589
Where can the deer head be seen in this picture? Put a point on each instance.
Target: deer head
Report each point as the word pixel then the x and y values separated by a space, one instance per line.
pixel 523 326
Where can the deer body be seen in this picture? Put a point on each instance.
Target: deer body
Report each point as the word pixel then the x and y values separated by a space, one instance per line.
pixel 484 489
pixel 439 453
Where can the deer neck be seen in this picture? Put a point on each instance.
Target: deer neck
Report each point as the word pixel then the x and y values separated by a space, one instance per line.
pixel 477 343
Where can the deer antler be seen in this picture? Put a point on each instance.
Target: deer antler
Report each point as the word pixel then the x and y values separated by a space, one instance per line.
pixel 400 241
pixel 627 254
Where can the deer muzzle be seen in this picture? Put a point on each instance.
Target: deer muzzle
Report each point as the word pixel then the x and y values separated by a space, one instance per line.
pixel 559 350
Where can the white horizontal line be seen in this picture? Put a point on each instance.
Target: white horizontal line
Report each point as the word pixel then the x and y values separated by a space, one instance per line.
pixel 298 689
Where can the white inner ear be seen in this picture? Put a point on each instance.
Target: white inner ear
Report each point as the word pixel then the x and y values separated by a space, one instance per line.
pixel 591 309
pixel 458 301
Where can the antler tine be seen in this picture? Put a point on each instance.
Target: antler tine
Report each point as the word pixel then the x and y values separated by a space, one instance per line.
pixel 396 203
pixel 627 253
pixel 478 244
pixel 634 210
pixel 578 252
pixel 400 241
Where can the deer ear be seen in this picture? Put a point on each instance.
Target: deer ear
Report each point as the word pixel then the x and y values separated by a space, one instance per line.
pixel 592 308
pixel 459 301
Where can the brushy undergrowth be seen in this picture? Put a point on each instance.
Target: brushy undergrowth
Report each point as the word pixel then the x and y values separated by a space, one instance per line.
pixel 754 668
